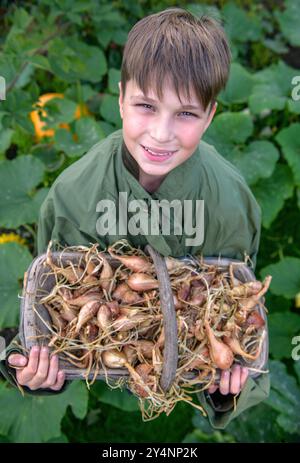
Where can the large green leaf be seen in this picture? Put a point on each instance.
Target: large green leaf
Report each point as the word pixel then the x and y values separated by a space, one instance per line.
pixel 37 419
pixel 20 203
pixel 258 424
pixel 240 25
pixel 229 129
pixel 5 139
pixel 273 88
pixel 18 105
pixel 118 398
pixel 297 370
pixel 289 140
pixel 114 77
pixel 282 328
pixel 50 157
pixel 59 110
pixel 294 106
pixel 109 110
pixel 14 261
pixel 88 132
pixel 109 25
pixel 202 9
pixel 62 439
pixel 286 277
pixel 258 160
pixel 21 20
pixel 239 86
pixel 281 181
pixel 266 97
pixel 199 436
pixel 289 21
pixel 284 397
pixel 71 60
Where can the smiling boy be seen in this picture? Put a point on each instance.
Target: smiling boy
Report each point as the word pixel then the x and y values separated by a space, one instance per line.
pixel 174 65
pixel 161 135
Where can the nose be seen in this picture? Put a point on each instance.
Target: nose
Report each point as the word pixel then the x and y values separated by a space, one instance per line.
pixel 161 131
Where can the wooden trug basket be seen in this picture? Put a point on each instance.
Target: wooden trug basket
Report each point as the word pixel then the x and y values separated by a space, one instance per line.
pixel 34 289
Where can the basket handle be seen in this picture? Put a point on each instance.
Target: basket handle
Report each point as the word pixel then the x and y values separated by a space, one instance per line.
pixel 170 357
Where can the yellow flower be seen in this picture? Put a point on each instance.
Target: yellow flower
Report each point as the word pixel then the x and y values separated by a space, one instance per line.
pixel 11 237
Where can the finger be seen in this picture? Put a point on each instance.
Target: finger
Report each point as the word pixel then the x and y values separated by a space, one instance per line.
pixel 60 381
pixel 42 371
pixel 224 382
pixel 235 380
pixel 17 360
pixel 244 376
pixel 213 388
pixel 29 371
pixel 52 373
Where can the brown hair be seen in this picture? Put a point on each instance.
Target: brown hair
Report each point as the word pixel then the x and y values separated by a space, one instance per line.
pixel 192 51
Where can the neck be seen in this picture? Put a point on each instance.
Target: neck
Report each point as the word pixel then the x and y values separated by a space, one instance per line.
pixel 149 182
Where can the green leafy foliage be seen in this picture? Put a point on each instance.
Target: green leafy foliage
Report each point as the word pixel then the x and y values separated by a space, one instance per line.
pixel 285 276
pixel 289 141
pixel 37 418
pixel 238 87
pixel 282 182
pixel 272 89
pixel 117 398
pixel 87 133
pixel 20 201
pixel 71 59
pixel 14 261
pixel 284 398
pixel 282 329
pixel 289 21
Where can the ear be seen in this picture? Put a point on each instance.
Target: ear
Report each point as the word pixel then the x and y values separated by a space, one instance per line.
pixel 120 100
pixel 211 115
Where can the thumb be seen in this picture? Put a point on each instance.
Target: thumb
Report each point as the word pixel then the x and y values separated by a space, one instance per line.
pixel 17 360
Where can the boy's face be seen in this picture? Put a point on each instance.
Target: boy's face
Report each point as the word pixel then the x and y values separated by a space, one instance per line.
pixel 161 125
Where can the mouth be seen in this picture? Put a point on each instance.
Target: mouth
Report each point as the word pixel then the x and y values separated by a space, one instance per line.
pixel 157 156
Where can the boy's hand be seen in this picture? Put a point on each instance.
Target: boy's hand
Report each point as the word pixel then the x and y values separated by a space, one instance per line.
pixel 39 371
pixel 231 383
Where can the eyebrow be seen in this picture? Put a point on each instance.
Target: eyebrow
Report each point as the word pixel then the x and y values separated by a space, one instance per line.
pixel 197 108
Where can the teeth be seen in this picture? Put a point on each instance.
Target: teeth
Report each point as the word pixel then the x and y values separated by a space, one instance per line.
pixel 157 154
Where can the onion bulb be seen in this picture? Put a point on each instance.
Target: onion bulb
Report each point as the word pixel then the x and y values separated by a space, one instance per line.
pixel 134 263
pixel 234 345
pixel 256 320
pixel 104 317
pixel 86 313
pixel 107 274
pixel 141 282
pixel 114 359
pixel 220 353
pixel 246 289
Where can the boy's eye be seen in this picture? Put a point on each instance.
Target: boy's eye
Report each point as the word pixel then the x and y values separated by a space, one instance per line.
pixel 148 106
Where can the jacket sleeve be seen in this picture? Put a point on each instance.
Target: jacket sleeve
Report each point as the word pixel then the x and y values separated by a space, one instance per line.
pixel 221 414
pixel 46 224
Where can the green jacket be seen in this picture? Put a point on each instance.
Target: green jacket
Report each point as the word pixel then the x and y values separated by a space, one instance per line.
pixel 232 221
